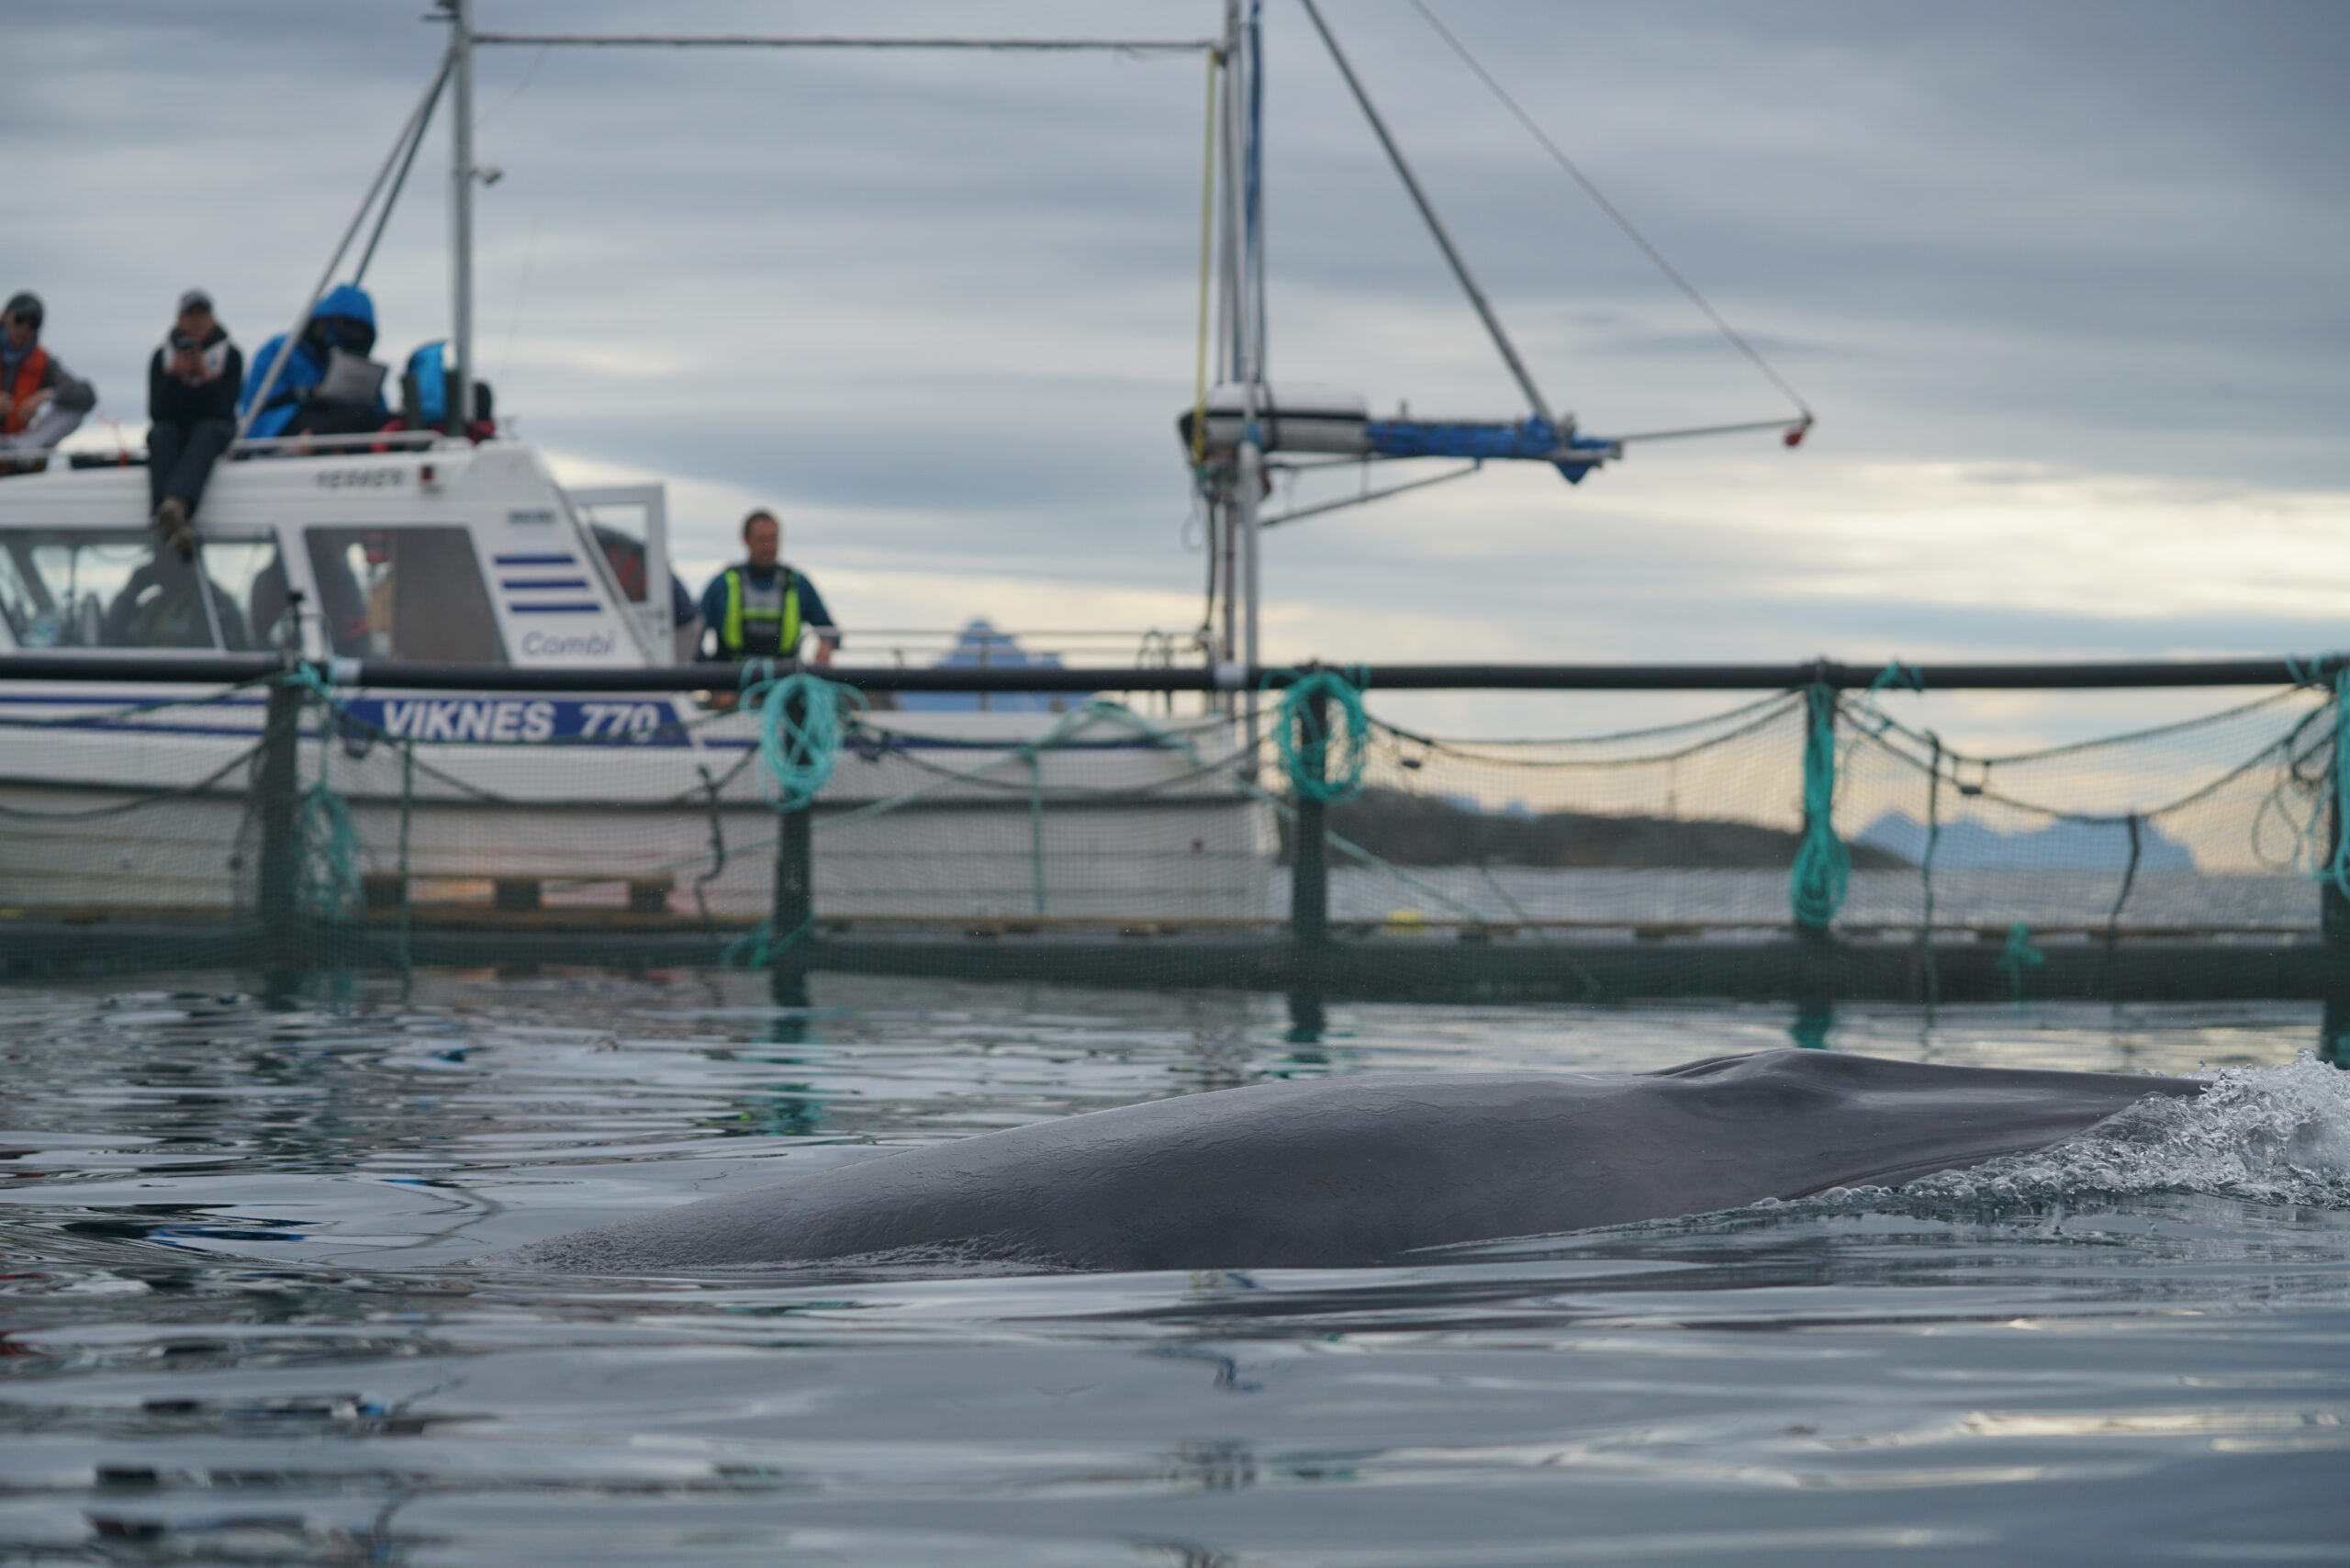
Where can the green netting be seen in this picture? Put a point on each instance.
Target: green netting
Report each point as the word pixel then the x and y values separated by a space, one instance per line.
pixel 1142 840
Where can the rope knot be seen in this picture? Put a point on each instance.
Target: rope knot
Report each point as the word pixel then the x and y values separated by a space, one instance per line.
pixel 1899 676
pixel 2019 956
pixel 1822 874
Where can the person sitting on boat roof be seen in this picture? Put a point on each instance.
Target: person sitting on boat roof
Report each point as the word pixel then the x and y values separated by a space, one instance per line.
pixel 330 386
pixel 192 384
pixel 758 608
pixel 41 402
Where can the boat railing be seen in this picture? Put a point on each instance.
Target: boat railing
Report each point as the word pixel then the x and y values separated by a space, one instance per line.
pixel 32 459
pixel 372 441
pixel 1012 648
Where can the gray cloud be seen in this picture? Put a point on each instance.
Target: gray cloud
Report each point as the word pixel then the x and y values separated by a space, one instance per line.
pixel 946 302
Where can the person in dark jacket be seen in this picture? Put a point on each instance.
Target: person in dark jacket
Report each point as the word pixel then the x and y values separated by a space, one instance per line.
pixel 309 397
pixel 192 384
pixel 41 400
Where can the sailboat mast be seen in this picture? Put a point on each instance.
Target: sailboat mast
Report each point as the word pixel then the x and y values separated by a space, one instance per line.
pixel 461 209
pixel 1244 314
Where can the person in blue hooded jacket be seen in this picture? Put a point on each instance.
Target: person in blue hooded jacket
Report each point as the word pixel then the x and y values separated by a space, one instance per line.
pixel 330 386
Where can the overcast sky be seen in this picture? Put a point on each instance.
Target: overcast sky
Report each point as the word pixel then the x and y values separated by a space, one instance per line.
pixel 2064 281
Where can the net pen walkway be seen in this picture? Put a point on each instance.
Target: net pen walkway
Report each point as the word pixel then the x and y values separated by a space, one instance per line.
pixel 1807 839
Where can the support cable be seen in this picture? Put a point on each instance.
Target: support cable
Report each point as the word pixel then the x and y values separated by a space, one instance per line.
pixel 1736 340
pixel 1295 513
pixel 326 274
pixel 826 40
pixel 417 127
pixel 1436 226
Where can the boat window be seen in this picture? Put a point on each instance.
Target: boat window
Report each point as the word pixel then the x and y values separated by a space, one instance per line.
pixel 404 593
pixel 624 553
pixel 122 589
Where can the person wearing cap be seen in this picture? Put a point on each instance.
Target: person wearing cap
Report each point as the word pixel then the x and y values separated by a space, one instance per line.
pixel 41 402
pixel 191 383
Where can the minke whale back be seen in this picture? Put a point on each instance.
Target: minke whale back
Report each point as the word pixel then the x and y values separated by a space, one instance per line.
pixel 1339 1171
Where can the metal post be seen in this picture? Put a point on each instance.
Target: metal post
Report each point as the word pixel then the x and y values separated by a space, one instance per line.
pixel 1309 885
pixel 1223 513
pixel 794 870
pixel 1246 249
pixel 276 790
pixel 1816 977
pixel 460 211
pixel 2333 903
pixel 1248 470
pixel 795 879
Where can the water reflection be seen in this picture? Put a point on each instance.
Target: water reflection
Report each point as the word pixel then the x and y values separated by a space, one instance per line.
pixel 238 1323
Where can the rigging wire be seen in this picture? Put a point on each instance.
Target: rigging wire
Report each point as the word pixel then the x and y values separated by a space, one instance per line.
pixel 1631 231
pixel 417 127
pixel 1436 231
pixel 1207 234
pixel 519 88
pixel 521 292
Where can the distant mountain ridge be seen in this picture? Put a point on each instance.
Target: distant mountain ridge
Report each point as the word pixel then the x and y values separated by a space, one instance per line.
pixel 1966 846
pixel 1406 829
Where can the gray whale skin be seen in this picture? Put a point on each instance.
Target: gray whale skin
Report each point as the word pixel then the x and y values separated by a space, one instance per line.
pixel 1331 1173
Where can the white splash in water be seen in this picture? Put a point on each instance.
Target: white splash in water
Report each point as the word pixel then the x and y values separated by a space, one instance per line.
pixel 2271 1134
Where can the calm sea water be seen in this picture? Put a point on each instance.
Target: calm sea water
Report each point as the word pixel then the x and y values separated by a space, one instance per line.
pixel 240 1326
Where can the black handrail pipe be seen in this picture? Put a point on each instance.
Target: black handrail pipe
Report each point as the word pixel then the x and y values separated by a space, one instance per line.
pixel 218 670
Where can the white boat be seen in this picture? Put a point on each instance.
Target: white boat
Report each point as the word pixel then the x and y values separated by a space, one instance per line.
pixel 452 551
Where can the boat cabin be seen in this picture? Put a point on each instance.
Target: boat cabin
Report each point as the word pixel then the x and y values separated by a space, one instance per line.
pixel 447 552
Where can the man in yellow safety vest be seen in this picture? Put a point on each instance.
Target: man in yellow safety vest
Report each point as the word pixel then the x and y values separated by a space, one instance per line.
pixel 759 608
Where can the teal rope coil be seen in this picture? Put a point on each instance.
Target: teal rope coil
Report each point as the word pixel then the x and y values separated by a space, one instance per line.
pixel 1823 867
pixel 1317 770
pixel 330 886
pixel 798 757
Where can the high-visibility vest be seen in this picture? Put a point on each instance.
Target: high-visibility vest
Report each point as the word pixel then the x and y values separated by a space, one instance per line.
pixel 756 632
pixel 28 386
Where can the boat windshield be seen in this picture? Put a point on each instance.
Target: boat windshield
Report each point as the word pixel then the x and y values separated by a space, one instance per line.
pixel 404 593
pixel 122 589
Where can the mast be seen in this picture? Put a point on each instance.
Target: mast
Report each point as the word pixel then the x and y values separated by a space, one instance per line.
pixel 461 209
pixel 1253 317
pixel 1243 314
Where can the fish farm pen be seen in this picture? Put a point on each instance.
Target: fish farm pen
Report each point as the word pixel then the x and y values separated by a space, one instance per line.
pixel 1804 842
